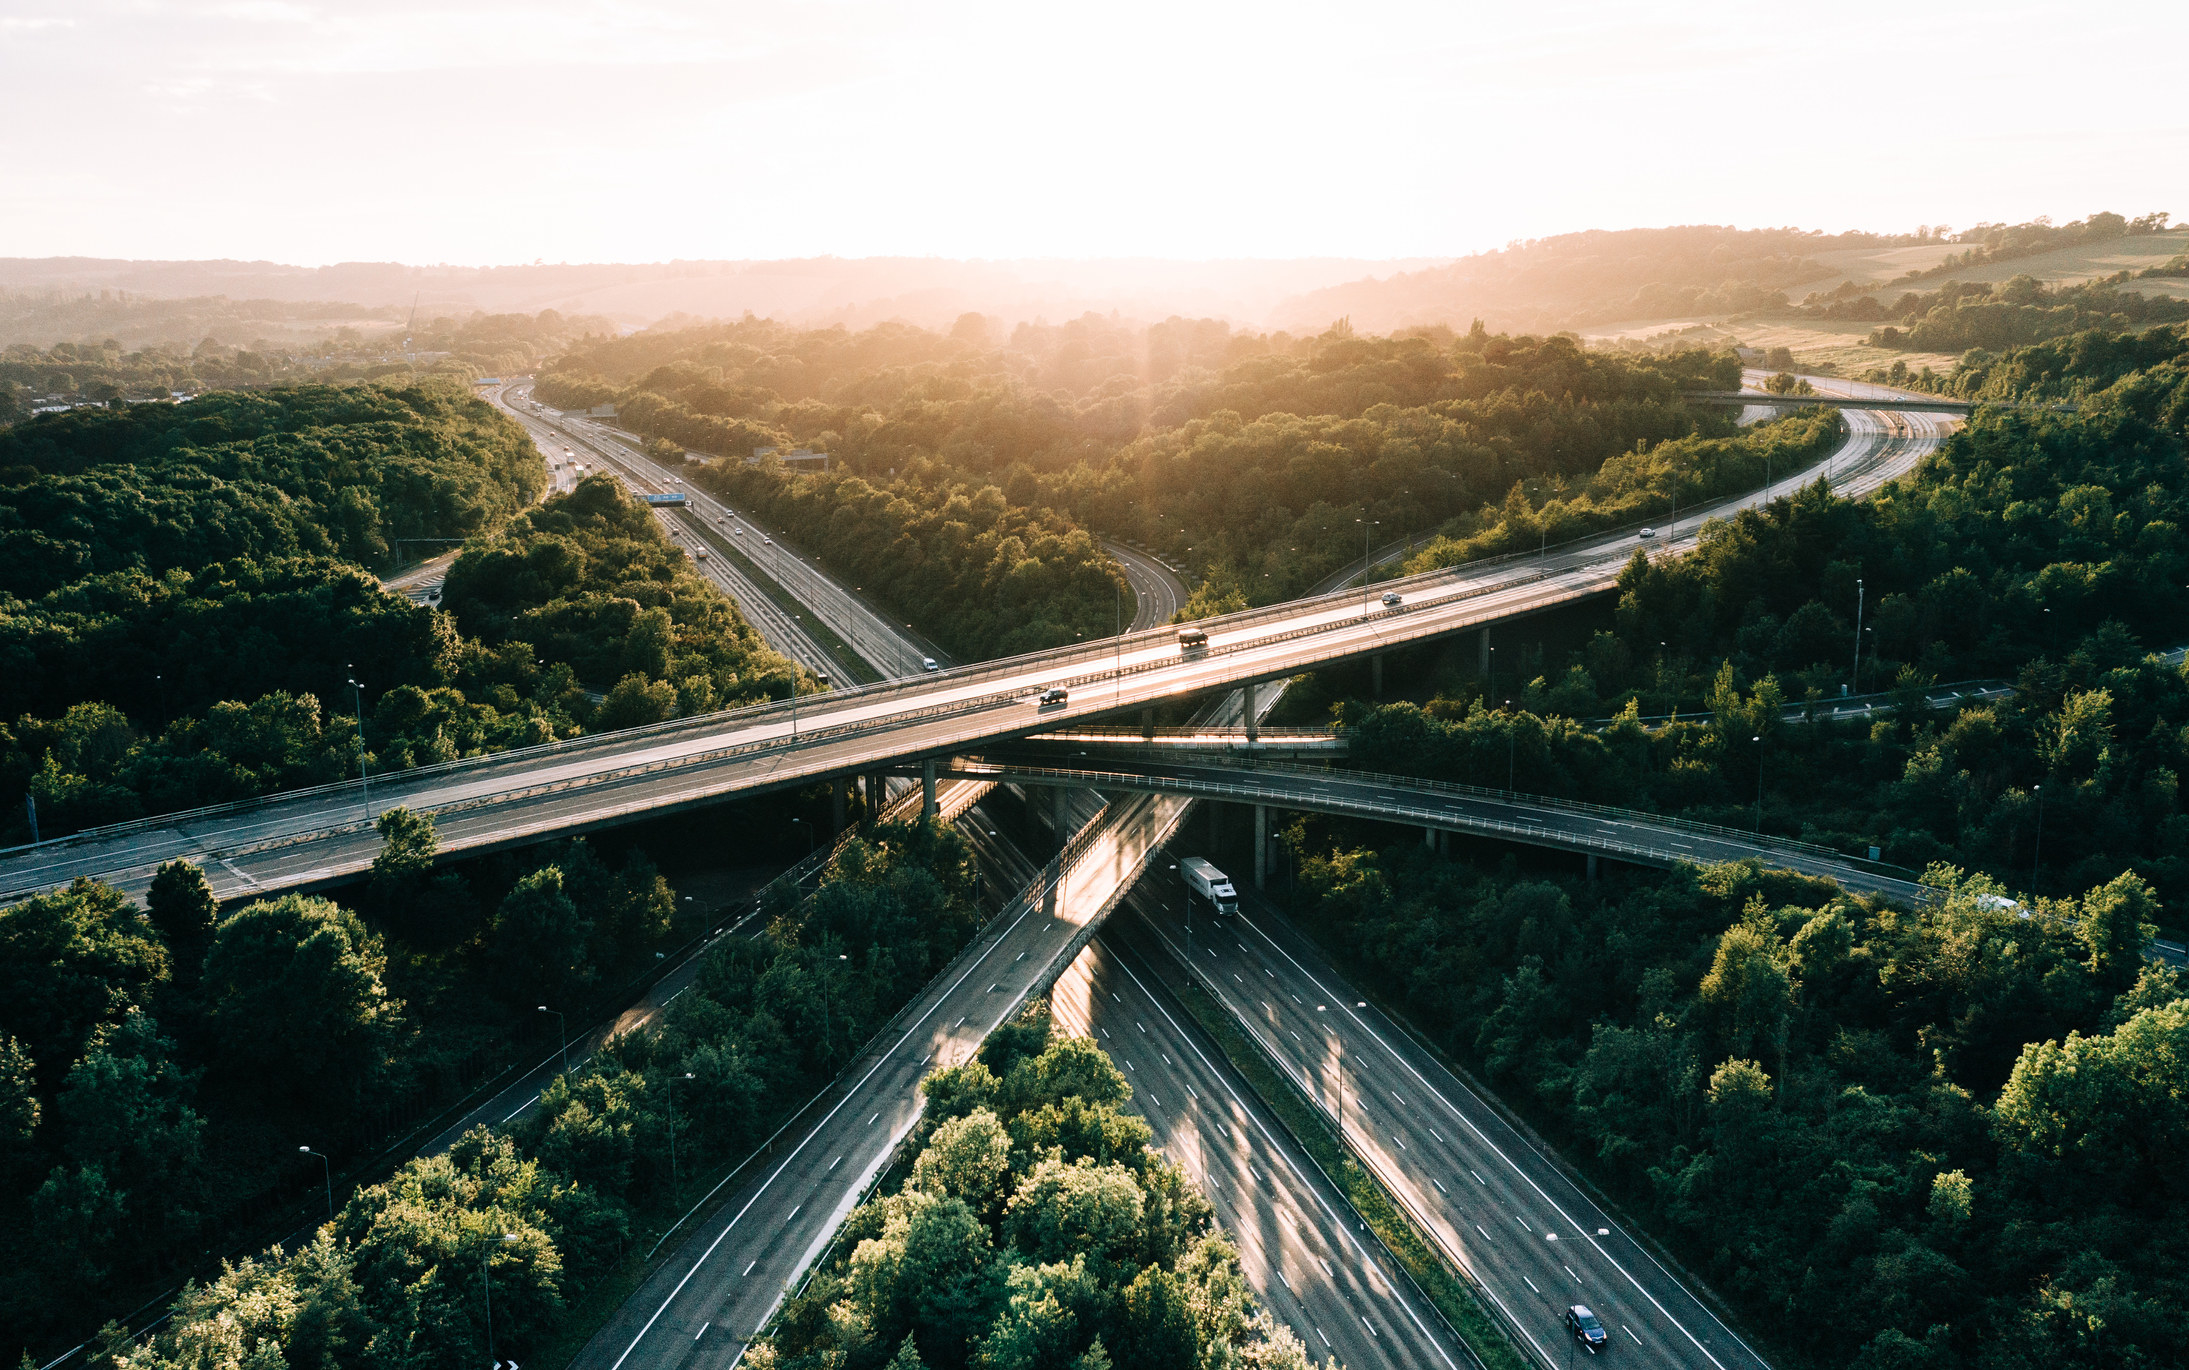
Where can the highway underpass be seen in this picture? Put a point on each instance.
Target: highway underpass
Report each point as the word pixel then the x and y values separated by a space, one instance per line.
pixel 324 837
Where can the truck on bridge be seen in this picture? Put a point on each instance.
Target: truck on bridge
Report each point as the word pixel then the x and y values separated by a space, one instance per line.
pixel 1210 883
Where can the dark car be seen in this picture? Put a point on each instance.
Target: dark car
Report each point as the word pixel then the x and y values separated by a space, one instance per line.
pixel 1055 694
pixel 1586 1329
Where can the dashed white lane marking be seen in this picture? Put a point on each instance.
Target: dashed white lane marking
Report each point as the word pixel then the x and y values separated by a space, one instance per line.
pixel 1530 1283
pixel 1630 1332
pixel 835 1163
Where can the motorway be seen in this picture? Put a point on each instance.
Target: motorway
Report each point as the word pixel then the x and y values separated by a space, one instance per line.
pixel 696 1310
pixel 324 836
pixel 1499 1205
pixel 1158 592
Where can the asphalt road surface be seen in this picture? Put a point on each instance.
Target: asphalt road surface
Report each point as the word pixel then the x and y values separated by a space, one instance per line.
pixel 1158 592
pixel 1498 1204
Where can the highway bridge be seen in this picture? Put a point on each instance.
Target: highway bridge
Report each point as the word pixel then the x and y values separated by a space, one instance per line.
pixel 1591 830
pixel 322 837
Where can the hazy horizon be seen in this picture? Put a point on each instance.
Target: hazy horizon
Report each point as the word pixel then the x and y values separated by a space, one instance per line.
pixel 491 132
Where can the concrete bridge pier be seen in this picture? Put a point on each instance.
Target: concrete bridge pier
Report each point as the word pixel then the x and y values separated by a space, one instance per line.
pixel 1429 838
pixel 1482 652
pixel 1261 845
pixel 1253 715
pixel 1147 725
pixel 877 797
pixel 839 792
pixel 1594 872
pixel 927 792
pixel 1375 671
pixel 1060 817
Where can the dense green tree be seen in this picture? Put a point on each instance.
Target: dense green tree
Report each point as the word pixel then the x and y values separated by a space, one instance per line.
pixel 184 910
pixel 71 961
pixel 295 991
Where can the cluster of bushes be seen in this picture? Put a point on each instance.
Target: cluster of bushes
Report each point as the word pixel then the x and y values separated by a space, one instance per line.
pixel 1035 1227
pixel 1939 1137
pixel 129 1145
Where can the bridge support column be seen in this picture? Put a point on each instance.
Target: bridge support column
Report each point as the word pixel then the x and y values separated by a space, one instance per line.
pixel 1261 845
pixel 877 798
pixel 1253 716
pixel 1482 652
pixel 1593 871
pixel 839 791
pixel 1147 725
pixel 1060 815
pixel 1375 671
pixel 1429 838
pixel 927 792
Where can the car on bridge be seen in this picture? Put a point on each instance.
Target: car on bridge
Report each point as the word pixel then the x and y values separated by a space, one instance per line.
pixel 1648 533
pixel 1192 639
pixel 1391 599
pixel 1053 696
pixel 930 665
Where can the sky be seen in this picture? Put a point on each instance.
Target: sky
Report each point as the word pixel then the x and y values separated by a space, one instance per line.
pixel 479 132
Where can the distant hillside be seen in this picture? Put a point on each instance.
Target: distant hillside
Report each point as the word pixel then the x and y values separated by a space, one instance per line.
pixel 1635 276
pixel 1577 279
pixel 929 292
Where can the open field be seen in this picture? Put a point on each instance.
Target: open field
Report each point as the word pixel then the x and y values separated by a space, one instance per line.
pixel 2078 263
pixel 1817 345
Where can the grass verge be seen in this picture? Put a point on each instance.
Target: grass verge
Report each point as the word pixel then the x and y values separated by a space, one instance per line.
pixel 1445 1287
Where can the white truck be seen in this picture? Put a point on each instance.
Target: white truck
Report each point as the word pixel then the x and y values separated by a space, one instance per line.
pixel 1205 880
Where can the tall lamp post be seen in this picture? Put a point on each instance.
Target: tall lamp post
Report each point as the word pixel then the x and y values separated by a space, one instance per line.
pixel 676 1188
pixel 487 1282
pixel 364 785
pixel 1366 524
pixel 1758 740
pixel 327 1172
pixel 562 1031
pixel 2037 857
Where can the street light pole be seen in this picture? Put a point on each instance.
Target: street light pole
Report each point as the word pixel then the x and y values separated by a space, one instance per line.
pixel 364 785
pixel 1366 524
pixel 1854 676
pixel 2037 857
pixel 1758 740
pixel 676 1188
pixel 561 1030
pixel 1512 746
pixel 488 1283
pixel 327 1172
